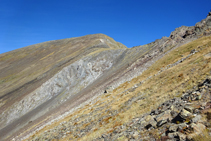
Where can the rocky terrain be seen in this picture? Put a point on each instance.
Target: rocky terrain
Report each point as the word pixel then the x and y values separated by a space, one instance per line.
pixel 93 88
pixel 176 119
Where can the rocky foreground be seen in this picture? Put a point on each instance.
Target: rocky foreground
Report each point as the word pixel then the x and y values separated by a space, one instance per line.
pixel 184 118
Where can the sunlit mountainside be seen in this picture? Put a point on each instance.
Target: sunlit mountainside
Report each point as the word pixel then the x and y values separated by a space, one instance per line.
pixel 94 88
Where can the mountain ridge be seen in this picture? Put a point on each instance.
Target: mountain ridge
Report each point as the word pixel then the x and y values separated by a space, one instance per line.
pixel 103 66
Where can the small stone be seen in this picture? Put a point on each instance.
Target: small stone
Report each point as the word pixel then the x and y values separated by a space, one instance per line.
pixel 196 118
pixel 193 51
pixel 201 108
pixel 181 126
pixel 148 118
pixel 203 104
pixel 104 136
pixel 185 114
pixel 182 137
pixel 161 122
pixel 175 111
pixel 173 128
pixel 165 116
pixel 207 124
pixel 135 135
pixel 163 134
pixel 197 93
pixel 189 108
pixel 198 97
pixel 143 123
pixel 172 135
pixel 152 123
pixel 196 111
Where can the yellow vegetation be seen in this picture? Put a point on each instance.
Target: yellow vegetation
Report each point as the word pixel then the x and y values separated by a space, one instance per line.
pixel 47 56
pixel 170 83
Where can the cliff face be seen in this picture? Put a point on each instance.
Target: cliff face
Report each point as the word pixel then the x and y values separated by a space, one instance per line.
pixel 47 81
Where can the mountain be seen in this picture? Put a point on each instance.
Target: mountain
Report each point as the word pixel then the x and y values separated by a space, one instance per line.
pixel 94 88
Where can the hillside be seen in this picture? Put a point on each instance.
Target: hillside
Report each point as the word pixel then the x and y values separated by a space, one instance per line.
pixel 94 88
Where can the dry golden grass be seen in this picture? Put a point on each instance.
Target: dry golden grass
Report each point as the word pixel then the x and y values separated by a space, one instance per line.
pixel 47 56
pixel 166 85
pixel 41 58
pixel 203 137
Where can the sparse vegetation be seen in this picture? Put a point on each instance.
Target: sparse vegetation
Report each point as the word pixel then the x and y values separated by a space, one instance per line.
pixel 202 137
pixel 158 73
pixel 156 90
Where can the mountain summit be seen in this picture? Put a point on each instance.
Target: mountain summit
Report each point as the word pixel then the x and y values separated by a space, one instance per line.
pixel 94 88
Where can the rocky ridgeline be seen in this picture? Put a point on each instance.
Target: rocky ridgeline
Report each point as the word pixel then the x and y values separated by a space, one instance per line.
pixel 176 119
pixel 184 32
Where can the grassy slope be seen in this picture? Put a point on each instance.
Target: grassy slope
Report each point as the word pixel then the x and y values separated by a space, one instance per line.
pixel 25 69
pixel 169 83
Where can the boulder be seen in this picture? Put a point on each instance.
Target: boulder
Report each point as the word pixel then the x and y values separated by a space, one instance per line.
pixel 161 122
pixel 175 110
pixel 181 136
pixel 172 135
pixel 181 126
pixel 164 116
pixel 189 108
pixel 149 118
pixel 184 114
pixel 196 118
pixel 173 128
pixel 198 97
pixel 152 123
pixel 143 123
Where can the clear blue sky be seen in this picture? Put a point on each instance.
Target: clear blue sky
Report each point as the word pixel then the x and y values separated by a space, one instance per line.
pixel 131 22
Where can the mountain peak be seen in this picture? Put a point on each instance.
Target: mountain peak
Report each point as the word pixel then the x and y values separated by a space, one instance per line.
pixel 92 87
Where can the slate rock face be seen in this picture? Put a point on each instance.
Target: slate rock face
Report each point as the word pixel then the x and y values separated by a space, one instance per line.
pixel 185 32
pixel 66 83
pixel 208 19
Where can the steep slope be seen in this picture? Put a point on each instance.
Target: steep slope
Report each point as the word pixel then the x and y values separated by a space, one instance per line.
pixel 110 116
pixel 24 72
pixel 124 113
pixel 47 56
pixel 46 82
